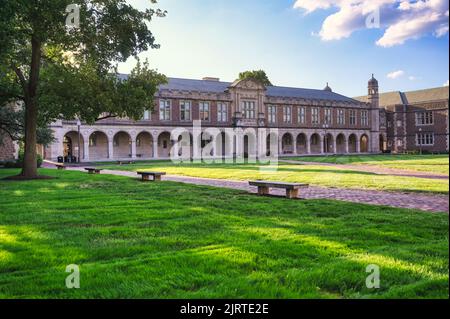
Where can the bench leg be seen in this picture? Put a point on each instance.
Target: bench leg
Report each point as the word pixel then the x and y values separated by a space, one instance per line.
pixel 291 193
pixel 145 178
pixel 97 172
pixel 157 178
pixel 263 190
pixel 91 172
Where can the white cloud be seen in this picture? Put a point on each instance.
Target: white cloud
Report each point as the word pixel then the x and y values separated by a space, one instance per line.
pixel 446 83
pixel 412 78
pixel 395 74
pixel 401 19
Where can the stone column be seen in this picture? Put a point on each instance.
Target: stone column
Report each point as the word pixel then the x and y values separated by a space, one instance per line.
pixel 110 148
pixel 347 150
pixel 334 145
pixel 133 148
pixel 322 138
pixel 358 145
pixel 308 144
pixel 86 148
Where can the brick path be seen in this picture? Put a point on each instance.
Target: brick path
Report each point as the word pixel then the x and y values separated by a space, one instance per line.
pixel 425 202
pixel 379 170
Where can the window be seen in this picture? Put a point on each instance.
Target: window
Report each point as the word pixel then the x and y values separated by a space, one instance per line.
pixel 272 114
pixel 364 118
pixel 341 117
pixel 146 115
pixel 249 109
pixel 315 118
pixel 352 117
pixel 222 112
pixel 425 139
pixel 328 116
pixel 301 115
pixel 185 111
pixel 424 118
pixel 204 111
pixel 287 114
pixel 164 110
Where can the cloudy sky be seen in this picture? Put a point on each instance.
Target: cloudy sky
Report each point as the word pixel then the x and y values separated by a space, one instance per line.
pixel 305 43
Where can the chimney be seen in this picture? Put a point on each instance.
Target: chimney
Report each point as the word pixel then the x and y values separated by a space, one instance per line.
pixel 211 79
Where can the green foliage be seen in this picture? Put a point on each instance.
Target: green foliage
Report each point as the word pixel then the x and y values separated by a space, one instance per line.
pixel 259 75
pixel 19 162
pixel 174 240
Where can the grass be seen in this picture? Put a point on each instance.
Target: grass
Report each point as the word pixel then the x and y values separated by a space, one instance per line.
pixel 437 164
pixel 171 240
pixel 313 174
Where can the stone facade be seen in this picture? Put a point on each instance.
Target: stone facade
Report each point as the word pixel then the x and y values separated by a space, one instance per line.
pixel 415 121
pixel 302 121
pixel 8 149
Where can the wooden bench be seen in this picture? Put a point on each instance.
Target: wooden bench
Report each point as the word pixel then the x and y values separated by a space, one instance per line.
pixel 292 189
pixel 146 175
pixel 92 170
pixel 60 166
pixel 125 162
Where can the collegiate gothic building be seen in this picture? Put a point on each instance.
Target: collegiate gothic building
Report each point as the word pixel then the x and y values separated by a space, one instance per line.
pixel 298 121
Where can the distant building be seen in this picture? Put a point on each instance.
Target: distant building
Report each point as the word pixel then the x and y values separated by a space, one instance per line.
pixel 414 121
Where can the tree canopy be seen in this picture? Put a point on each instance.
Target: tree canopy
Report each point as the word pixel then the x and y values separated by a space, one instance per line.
pixel 258 75
pixel 71 72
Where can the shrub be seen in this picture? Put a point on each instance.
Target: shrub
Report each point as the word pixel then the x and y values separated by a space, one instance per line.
pixel 19 162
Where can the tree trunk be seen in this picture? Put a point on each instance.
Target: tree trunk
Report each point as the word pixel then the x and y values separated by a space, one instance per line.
pixel 29 169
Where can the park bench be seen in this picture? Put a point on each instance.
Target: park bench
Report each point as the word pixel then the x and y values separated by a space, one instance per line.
pixel 92 170
pixel 60 166
pixel 125 162
pixel 292 189
pixel 146 175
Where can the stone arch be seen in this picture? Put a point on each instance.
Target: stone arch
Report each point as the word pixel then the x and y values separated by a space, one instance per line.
pixel 122 145
pixel 315 141
pixel 250 145
pixel 364 144
pixel 272 140
pixel 341 144
pixel 302 143
pixel 328 141
pixel 98 146
pixel 223 145
pixel 164 145
pixel 144 145
pixel 352 141
pixel 383 143
pixel 70 146
pixel 287 144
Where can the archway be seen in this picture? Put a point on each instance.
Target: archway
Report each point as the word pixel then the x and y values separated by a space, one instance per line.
pixel 315 143
pixel 352 143
pixel 272 148
pixel 340 144
pixel 249 145
pixel 328 143
pixel 383 144
pixel 122 145
pixel 164 145
pixel 98 146
pixel 364 144
pixel 144 145
pixel 223 146
pixel 287 144
pixel 70 149
pixel 301 143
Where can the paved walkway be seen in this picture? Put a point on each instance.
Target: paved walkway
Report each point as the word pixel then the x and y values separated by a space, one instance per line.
pixel 430 203
pixel 379 170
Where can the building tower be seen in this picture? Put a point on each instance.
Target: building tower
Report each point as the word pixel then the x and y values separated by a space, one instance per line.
pixel 374 101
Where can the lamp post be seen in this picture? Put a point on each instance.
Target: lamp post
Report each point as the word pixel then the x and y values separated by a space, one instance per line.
pixel 325 127
pixel 79 138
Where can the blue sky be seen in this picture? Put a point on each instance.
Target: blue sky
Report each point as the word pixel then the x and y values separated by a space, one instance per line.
pixel 304 46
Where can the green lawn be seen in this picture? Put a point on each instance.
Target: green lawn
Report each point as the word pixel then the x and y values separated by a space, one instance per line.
pixel 171 240
pixel 438 164
pixel 312 174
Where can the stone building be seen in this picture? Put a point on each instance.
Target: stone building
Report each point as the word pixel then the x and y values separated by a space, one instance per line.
pixel 303 121
pixel 414 121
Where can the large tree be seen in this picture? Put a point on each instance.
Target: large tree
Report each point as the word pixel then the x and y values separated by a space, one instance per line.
pixel 258 75
pixel 62 72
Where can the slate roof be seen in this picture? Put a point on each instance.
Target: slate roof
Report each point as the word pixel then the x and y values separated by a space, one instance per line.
pixel 412 97
pixel 273 91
